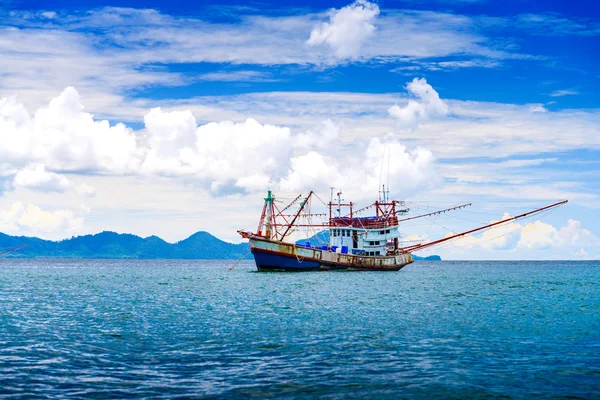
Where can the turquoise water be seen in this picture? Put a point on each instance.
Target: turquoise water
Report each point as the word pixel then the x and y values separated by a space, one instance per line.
pixel 164 329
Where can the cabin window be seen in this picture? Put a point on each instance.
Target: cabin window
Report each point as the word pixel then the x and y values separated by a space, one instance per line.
pixel 376 253
pixel 382 232
pixel 388 231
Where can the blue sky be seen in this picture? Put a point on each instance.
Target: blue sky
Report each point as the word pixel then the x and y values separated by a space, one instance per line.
pixel 188 110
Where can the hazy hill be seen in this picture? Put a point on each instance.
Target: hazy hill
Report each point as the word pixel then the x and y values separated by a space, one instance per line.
pixel 201 245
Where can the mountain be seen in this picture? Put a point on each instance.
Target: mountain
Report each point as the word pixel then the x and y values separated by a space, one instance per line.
pixel 201 245
pixel 322 238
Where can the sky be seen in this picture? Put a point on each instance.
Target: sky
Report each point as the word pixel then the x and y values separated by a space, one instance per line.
pixel 170 117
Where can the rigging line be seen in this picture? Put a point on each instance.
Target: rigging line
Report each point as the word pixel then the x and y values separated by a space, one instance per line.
pixel 293 201
pixel 238 261
pixel 321 200
pixel 435 213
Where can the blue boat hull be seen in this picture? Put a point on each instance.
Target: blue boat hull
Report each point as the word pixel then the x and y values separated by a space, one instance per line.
pixel 275 262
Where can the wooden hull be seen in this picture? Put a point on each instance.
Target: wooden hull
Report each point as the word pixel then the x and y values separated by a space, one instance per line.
pixel 272 255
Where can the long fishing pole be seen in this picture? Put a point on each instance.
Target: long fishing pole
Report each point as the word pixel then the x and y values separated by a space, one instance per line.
pixel 422 246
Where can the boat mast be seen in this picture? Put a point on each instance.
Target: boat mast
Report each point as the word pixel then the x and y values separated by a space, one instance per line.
pixel 266 217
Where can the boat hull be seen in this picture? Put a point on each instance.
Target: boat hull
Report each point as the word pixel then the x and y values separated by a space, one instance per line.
pixel 266 261
pixel 271 255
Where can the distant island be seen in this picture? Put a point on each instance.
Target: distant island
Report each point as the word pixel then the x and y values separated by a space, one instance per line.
pixel 199 246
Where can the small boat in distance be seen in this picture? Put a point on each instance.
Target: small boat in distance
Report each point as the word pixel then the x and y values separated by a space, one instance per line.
pixel 355 243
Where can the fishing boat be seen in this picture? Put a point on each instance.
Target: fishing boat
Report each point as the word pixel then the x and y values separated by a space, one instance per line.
pixel 352 242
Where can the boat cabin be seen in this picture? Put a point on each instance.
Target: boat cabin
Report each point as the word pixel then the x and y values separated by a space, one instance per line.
pixel 361 241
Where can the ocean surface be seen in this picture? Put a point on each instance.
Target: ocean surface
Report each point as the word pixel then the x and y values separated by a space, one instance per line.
pixel 167 329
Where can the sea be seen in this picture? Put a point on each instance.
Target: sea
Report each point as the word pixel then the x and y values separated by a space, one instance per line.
pixel 111 329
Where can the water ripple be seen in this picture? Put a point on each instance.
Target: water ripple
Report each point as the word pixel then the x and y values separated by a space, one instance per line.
pixel 165 329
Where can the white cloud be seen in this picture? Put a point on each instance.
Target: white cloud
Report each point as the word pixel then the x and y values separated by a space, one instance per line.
pixel 237 76
pixel 32 220
pixel 225 155
pixel 538 235
pixel 85 190
pixel 538 108
pixel 415 65
pixel 124 47
pixel 48 14
pixel 563 92
pixel 64 138
pixel 324 138
pixel 347 29
pixel 430 106
pixel 526 162
pixel 574 234
pixel 347 148
pixel 552 24
pixel 36 177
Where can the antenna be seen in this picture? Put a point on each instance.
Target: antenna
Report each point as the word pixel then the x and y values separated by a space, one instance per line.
pixel 388 173
pixel 381 173
pixel 339 209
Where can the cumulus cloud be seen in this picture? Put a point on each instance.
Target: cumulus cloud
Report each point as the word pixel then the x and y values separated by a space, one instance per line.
pixel 36 177
pixel 64 138
pixel 429 106
pixel 225 154
pixel 575 235
pixel 246 156
pixel 322 138
pixel 538 235
pixel 360 174
pixel 222 157
pixel 515 237
pixel 32 220
pixel 347 29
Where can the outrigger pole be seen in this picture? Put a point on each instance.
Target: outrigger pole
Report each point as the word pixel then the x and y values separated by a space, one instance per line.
pixel 436 242
pixel 296 216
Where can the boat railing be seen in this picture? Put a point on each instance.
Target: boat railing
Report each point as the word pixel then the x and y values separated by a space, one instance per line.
pixel 364 223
